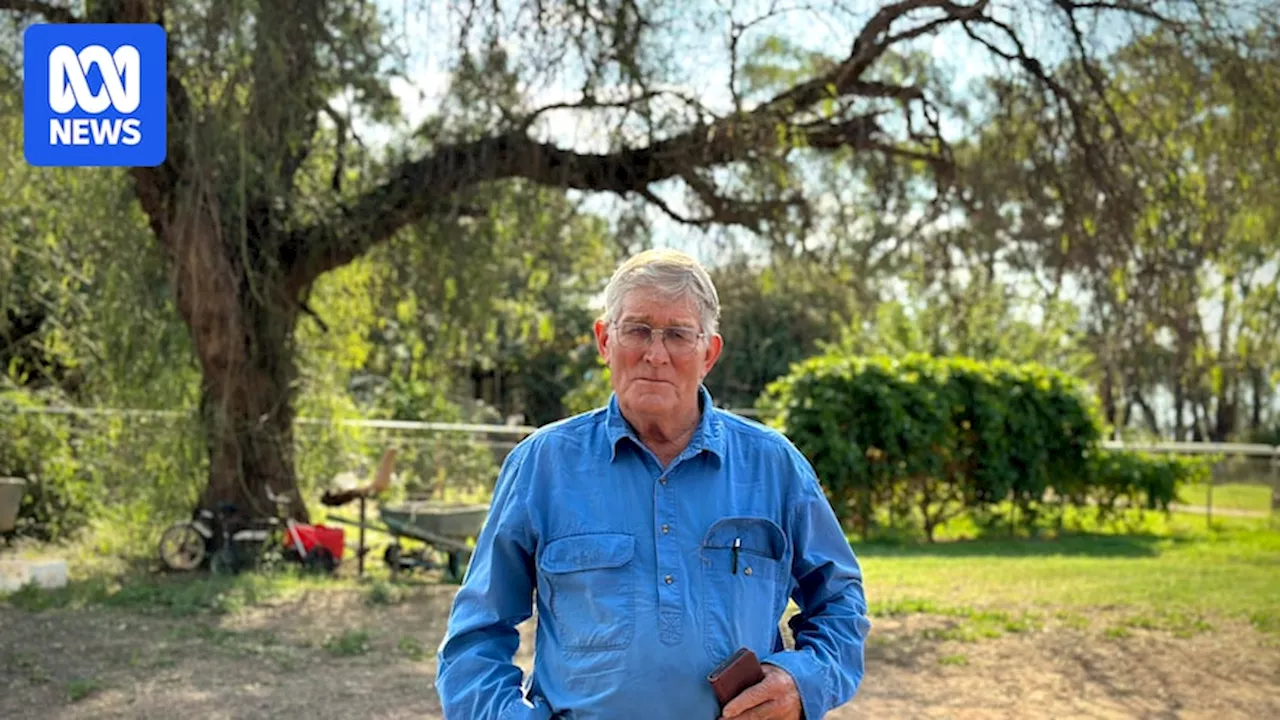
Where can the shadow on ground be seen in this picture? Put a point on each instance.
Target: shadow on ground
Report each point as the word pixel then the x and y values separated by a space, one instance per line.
pixel 1078 544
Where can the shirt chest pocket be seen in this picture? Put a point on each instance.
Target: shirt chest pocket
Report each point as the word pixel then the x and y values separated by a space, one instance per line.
pixel 589 582
pixel 744 566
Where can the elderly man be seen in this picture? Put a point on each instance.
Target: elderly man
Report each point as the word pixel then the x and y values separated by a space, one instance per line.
pixel 661 535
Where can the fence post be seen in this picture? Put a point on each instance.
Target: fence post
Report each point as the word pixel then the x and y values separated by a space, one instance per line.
pixel 1275 485
pixel 1208 503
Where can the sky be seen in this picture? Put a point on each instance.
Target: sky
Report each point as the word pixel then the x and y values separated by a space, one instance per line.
pixel 700 58
pixel 701 65
pixel 430 27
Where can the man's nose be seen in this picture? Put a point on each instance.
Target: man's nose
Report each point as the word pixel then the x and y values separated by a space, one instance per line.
pixel 656 353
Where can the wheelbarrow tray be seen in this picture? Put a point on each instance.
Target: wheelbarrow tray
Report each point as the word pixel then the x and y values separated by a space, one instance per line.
pixel 426 520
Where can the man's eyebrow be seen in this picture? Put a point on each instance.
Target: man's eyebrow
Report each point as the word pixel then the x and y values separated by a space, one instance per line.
pixel 648 320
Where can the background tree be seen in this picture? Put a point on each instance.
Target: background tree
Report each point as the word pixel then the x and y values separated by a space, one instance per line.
pixel 265 188
pixel 1176 276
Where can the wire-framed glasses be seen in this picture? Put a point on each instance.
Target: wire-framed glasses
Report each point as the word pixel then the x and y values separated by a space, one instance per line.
pixel 678 340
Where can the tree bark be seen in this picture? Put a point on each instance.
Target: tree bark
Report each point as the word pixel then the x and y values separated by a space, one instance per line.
pixel 1224 416
pixel 1148 413
pixel 242 326
pixel 1260 399
pixel 1178 401
pixel 1108 396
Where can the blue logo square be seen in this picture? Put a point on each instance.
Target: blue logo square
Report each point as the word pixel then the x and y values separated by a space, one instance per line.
pixel 94 95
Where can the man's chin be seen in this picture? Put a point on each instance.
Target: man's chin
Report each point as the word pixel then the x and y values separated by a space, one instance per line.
pixel 652 402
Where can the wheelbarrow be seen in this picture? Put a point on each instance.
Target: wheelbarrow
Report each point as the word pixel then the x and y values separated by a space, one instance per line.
pixel 441 526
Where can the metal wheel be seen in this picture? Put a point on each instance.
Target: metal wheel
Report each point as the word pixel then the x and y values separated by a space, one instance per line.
pixel 182 547
pixel 319 559
pixel 392 557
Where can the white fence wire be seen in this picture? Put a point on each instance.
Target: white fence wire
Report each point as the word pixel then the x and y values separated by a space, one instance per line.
pixel 1256 466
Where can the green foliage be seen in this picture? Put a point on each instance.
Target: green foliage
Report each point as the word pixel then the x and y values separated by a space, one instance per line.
pixel 60 499
pixel 592 392
pixel 1144 480
pixel 939 436
pixel 132 473
pixel 348 644
pixel 983 319
pixel 772 316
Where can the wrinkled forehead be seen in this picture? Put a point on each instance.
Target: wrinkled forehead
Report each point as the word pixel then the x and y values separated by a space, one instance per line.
pixel 648 305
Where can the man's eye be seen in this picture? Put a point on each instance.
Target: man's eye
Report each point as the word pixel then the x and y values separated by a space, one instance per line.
pixel 683 335
pixel 636 331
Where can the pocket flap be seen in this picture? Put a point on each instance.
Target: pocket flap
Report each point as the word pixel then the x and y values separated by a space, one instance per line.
pixel 759 535
pixel 597 551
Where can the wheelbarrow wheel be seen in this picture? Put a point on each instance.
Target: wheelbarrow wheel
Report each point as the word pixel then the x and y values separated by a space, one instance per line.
pixel 319 559
pixel 455 566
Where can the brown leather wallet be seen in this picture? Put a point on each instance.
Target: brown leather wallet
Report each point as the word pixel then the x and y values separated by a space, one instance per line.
pixel 738 672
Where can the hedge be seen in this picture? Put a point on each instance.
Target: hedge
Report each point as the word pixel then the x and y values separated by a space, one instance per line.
pixel 936 437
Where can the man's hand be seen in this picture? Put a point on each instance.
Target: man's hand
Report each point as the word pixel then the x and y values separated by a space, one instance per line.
pixel 774 698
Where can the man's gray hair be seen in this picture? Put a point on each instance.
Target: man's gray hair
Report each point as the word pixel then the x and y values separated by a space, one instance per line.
pixel 673 275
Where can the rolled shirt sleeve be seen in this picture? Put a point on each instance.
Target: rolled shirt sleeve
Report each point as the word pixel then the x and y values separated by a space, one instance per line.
pixel 831 628
pixel 477 678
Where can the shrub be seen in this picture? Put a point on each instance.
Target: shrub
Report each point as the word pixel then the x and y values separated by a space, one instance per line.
pixel 1143 480
pixel 59 499
pixel 935 435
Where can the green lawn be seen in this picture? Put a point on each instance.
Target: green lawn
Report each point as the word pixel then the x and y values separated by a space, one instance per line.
pixel 1175 574
pixel 1231 495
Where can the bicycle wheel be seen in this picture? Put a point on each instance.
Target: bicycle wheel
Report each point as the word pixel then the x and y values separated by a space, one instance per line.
pixel 182 547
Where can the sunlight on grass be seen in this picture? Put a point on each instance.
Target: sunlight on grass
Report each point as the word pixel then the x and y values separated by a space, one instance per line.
pixel 1231 496
pixel 1175 579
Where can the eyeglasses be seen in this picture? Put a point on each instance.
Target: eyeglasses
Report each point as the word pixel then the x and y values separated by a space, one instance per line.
pixel 678 340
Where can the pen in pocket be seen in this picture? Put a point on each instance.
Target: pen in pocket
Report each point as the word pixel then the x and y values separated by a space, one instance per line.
pixel 737 544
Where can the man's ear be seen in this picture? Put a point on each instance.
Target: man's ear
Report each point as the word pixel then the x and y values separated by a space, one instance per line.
pixel 715 345
pixel 602 339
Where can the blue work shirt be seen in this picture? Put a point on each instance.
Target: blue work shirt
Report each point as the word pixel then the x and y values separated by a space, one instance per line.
pixel 639 594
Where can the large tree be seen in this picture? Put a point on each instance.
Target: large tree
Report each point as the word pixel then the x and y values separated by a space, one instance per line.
pixel 1178 279
pixel 267 185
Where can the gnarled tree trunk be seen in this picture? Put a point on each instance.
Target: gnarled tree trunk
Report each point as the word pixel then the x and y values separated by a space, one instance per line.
pixel 242 322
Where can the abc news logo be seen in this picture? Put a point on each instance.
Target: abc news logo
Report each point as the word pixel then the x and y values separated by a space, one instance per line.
pixel 94 95
pixel 69 88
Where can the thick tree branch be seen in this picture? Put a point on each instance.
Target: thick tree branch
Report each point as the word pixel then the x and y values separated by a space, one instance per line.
pixel 50 12
pixel 404 197
pixel 424 186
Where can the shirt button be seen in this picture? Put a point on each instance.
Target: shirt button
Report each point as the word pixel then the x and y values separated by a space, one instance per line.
pixel 668 579
pixel 666 529
pixel 662 480
pixel 747 571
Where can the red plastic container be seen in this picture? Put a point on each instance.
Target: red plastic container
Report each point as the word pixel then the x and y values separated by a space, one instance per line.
pixel 331 538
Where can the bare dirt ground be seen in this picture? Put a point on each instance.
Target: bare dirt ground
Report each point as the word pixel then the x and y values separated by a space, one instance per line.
pixel 333 654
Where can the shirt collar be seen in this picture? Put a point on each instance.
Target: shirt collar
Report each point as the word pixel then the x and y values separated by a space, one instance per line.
pixel 708 436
